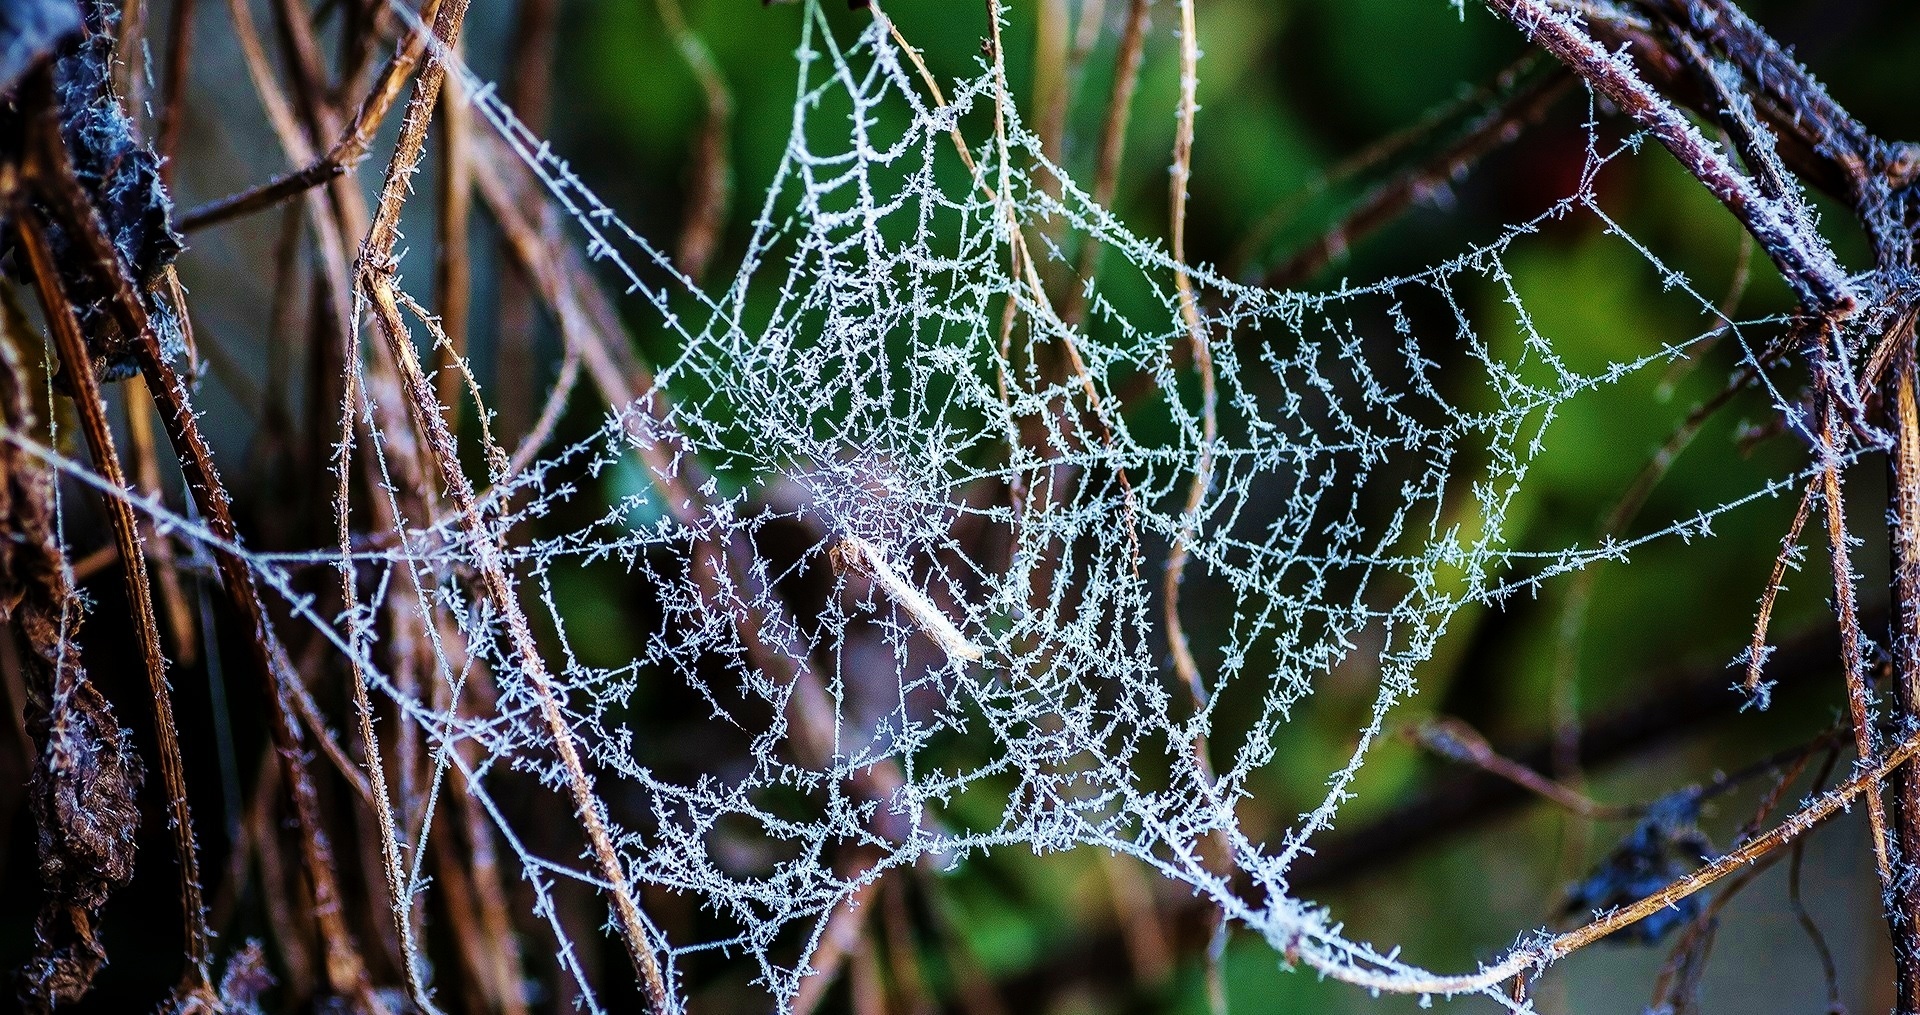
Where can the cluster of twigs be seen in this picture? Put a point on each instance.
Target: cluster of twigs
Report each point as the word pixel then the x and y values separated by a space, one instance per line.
pixel 347 919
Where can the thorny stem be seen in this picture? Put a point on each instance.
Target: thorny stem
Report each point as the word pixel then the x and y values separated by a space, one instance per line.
pixel 376 272
pixel 1198 341
pixel 146 476
pixel 1852 658
pixel 399 889
pixel 1776 582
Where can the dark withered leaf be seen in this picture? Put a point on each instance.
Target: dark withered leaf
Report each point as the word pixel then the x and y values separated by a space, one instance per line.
pixel 86 776
pixel 29 30
pixel 1663 847
pixel 120 175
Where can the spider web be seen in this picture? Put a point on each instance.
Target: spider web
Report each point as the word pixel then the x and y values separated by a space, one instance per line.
pixel 969 652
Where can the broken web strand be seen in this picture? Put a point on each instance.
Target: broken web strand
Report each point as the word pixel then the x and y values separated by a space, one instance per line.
pixel 727 342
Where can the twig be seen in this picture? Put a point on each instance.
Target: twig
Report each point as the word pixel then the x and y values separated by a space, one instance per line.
pixel 1501 126
pixel 346 152
pixel 1865 782
pixel 1198 343
pixel 870 560
pixel 173 89
pixel 1184 666
pixel 1789 551
pixel 1456 741
pixel 1828 970
pixel 159 549
pixel 1904 492
pixel 452 270
pixel 1852 656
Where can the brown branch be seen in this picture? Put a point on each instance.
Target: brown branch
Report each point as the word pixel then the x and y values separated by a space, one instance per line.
pixel 711 170
pixel 1456 741
pixel 1113 145
pixel 452 270
pixel 1852 654
pixel 1904 492
pixel 173 89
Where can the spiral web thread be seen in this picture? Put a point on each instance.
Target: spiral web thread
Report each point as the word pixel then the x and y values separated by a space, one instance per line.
pixel 980 664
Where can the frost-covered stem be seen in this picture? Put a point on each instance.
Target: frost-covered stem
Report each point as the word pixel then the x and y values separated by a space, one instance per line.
pixel 1197 341
pixel 1789 549
pixel 1826 125
pixel 1905 485
pixel 491 567
pixel 399 888
pixel 1183 663
pixel 377 280
pixel 1800 253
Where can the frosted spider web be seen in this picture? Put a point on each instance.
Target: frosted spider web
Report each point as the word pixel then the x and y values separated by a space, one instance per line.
pixel 970 656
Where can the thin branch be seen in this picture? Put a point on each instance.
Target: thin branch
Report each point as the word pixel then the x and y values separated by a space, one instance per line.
pixel 1113 145
pixel 1458 742
pixel 712 167
pixel 173 89
pixel 1501 126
